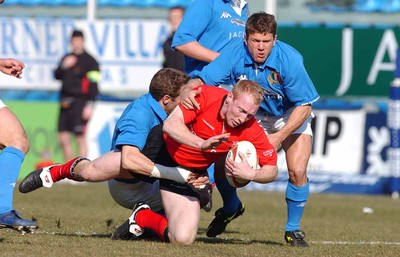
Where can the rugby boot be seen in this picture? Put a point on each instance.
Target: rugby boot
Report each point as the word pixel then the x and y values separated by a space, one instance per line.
pixel 222 219
pixel 296 238
pixel 129 229
pixel 13 220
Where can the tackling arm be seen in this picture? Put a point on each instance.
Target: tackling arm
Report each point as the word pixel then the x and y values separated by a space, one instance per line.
pixel 133 160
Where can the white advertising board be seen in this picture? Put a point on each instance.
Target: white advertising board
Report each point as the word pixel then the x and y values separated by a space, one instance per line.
pixel 129 51
pixel 338 142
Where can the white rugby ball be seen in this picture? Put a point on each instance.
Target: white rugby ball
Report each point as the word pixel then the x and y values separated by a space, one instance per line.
pixel 248 149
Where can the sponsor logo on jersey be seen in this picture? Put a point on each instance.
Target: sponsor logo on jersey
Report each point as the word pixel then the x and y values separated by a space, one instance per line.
pixel 268 152
pixel 238 22
pixel 225 15
pixel 271 94
pixel 242 77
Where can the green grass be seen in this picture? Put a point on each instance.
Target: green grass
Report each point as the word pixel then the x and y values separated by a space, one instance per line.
pixel 78 221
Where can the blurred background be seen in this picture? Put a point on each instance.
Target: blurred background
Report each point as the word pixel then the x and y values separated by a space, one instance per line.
pixel 350 49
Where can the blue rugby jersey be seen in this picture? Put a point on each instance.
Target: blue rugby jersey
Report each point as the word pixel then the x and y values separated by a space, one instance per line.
pixel 282 75
pixel 135 123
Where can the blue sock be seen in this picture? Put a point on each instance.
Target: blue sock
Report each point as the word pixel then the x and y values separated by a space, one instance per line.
pixel 296 199
pixel 10 163
pixel 229 195
pixel 210 172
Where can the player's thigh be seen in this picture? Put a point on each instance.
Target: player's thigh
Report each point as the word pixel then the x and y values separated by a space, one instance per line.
pixel 183 214
pixel 12 132
pixel 297 148
pixel 105 167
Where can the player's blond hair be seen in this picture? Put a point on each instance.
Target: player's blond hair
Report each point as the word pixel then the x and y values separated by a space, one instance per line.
pixel 251 87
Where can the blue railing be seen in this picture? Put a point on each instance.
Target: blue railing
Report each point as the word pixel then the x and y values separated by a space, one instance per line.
pixel 360 6
pixel 103 3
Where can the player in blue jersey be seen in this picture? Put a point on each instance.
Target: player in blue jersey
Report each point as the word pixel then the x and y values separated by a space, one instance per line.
pixel 285 113
pixel 127 153
pixel 14 144
pixel 206 28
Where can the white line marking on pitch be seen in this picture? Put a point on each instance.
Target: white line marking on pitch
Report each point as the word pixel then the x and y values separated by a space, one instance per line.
pixel 355 243
pixel 313 242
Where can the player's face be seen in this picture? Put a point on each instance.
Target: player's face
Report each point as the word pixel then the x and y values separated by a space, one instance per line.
pixel 260 46
pixel 239 110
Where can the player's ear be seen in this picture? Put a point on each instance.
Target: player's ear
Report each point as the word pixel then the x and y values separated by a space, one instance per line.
pixel 166 99
pixel 229 98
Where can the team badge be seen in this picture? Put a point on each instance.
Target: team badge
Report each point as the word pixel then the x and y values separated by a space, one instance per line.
pixel 274 78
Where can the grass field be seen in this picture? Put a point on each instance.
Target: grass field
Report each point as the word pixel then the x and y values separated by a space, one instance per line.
pixel 78 221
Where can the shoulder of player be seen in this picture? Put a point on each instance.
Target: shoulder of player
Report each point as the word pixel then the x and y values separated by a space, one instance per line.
pixel 287 52
pixel 213 92
pixel 211 95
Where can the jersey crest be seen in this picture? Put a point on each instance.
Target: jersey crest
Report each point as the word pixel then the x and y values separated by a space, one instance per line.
pixel 274 78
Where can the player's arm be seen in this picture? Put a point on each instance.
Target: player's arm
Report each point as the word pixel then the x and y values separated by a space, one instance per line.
pixel 296 119
pixel 11 67
pixel 194 23
pixel 59 71
pixel 195 50
pixel 242 170
pixel 175 127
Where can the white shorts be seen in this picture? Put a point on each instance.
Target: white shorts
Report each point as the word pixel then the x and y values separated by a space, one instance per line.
pixel 127 195
pixel 272 124
pixel 2 104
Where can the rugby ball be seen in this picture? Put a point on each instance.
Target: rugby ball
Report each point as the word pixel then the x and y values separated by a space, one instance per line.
pixel 248 149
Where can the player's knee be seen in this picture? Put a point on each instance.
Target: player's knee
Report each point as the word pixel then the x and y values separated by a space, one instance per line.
pixel 182 238
pixel 298 177
pixel 21 143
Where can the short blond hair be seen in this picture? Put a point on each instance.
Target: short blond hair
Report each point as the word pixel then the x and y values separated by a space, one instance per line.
pixel 251 87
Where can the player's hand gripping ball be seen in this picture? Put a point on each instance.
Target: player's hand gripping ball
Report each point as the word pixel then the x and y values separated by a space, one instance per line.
pixel 248 149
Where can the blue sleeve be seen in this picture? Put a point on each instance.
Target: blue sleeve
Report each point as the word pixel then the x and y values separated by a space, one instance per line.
pixel 222 70
pixel 194 22
pixel 133 130
pixel 298 87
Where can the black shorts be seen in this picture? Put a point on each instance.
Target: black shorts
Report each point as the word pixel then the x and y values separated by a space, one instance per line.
pixel 156 150
pixel 70 117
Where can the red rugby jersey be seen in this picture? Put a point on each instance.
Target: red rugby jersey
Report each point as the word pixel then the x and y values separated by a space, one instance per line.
pixel 206 123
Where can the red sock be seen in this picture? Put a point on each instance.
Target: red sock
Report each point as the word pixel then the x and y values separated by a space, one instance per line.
pixel 61 171
pixel 154 221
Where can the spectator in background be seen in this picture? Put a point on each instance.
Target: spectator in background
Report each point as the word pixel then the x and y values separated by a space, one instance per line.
pixel 79 73
pixel 14 145
pixel 172 58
